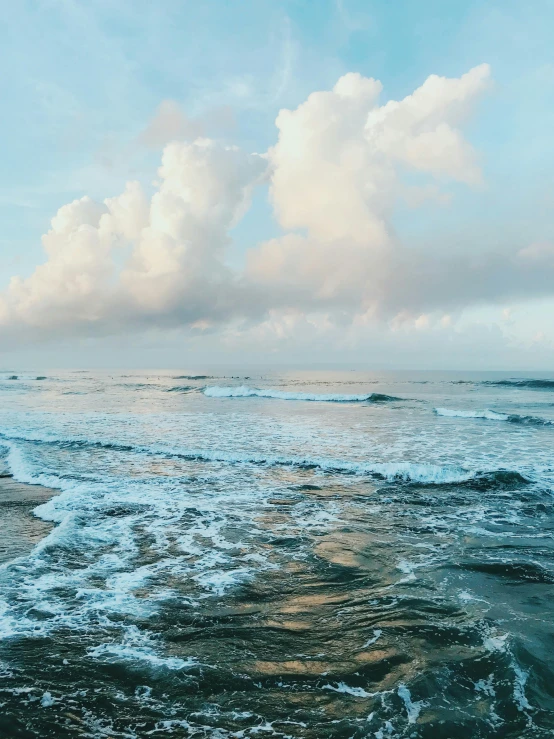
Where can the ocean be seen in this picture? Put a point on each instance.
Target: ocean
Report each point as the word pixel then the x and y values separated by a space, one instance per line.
pixel 279 554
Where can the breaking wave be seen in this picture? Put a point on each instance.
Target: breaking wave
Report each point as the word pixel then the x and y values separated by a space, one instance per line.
pixel 489 415
pixel 494 416
pixel 242 391
pixel 534 384
pixel 402 471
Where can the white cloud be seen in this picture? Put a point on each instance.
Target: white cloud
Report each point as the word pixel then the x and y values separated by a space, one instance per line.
pixel 325 178
pixel 420 130
pixel 171 246
pixel 336 175
pixel 337 169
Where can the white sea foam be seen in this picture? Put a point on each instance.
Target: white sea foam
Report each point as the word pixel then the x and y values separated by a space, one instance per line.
pixel 408 569
pixel 376 634
pixel 112 652
pixel 107 547
pixel 496 643
pixel 108 582
pixel 486 686
pixel 466 597
pixel 489 415
pixel 495 416
pixel 218 581
pixel 242 391
pixel 348 690
pixel 388 727
pixel 421 472
pixel 519 688
pixel 138 646
pixel 413 708
pixel 47 700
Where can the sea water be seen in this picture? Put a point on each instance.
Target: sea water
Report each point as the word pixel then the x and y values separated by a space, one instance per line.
pixel 280 553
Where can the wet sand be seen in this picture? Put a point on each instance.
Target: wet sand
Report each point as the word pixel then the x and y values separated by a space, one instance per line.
pixel 20 529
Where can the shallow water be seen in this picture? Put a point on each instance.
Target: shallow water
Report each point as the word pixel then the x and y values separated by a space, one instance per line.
pixel 307 554
pixel 21 531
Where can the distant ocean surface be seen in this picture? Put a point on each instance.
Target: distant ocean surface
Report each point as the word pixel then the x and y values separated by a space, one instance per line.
pixel 293 554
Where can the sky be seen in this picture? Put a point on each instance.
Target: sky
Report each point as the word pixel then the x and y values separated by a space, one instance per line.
pixel 287 182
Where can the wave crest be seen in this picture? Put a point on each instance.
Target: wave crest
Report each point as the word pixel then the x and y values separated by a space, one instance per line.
pixel 242 391
pixel 494 416
pixel 418 473
pixel 533 384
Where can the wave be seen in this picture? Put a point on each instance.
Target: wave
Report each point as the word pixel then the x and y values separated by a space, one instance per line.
pixel 541 384
pixel 533 384
pixel 242 391
pixel 419 473
pixel 499 480
pixel 515 571
pixel 139 385
pixel 494 416
pixel 490 415
pixel 181 389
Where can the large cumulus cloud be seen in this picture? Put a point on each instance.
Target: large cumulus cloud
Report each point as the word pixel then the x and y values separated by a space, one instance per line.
pixel 133 259
pixel 336 173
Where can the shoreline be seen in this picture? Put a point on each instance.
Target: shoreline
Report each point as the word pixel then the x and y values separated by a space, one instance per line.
pixel 21 530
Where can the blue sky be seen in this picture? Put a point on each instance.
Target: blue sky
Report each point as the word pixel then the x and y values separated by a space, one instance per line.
pixel 83 81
